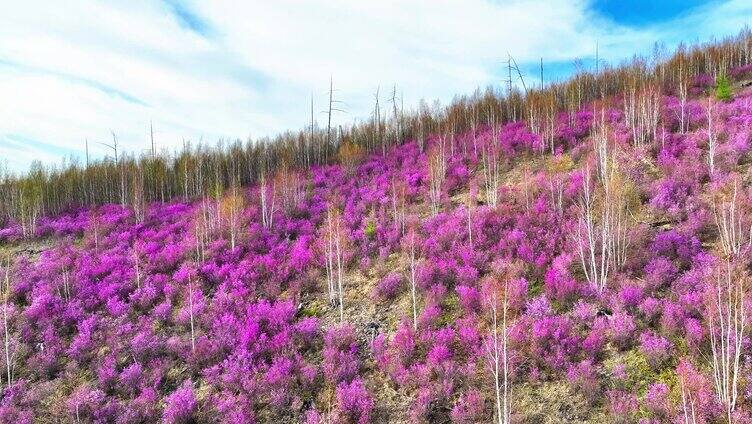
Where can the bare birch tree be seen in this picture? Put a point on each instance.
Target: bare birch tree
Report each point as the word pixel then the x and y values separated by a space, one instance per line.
pixel 190 311
pixel 267 200
pixel 6 326
pixel 334 257
pixel 436 175
pixel 603 227
pixel 727 320
pixel 411 245
pixel 497 349
pixel 491 165
pixel 642 113
pixel 733 226
pixel 399 201
pixel 688 403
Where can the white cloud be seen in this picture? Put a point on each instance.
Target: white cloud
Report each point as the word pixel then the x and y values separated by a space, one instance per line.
pixel 82 69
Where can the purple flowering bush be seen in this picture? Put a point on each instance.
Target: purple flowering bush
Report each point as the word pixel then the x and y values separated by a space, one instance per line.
pixel 195 315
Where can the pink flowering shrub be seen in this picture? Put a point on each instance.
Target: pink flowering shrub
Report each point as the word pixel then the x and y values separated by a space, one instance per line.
pixel 657 349
pixel 115 320
pixel 389 286
pixel 622 329
pixel 469 407
pixel 657 400
pixel 354 403
pixel 622 405
pixel 340 354
pixel 180 405
pixel 584 377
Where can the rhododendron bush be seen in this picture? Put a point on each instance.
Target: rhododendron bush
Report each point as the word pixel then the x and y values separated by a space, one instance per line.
pixel 469 277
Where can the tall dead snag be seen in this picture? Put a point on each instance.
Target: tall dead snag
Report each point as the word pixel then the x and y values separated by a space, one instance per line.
pixel 397 114
pixel 603 224
pixel 491 163
pixel 333 107
pixel 727 320
pixel 377 124
pixel 734 229
pixel 334 257
pixel 311 136
pixel 436 175
pixel 497 347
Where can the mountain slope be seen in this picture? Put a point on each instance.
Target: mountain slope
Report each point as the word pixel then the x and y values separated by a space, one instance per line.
pixel 605 253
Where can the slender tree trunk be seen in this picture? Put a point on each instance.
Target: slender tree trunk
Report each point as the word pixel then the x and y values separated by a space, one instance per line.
pixel 413 280
pixel 190 305
pixel 6 341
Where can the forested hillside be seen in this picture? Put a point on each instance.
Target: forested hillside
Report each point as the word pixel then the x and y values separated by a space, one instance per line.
pixel 575 253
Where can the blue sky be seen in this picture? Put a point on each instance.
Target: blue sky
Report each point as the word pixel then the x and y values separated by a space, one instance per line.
pixel 205 71
pixel 645 12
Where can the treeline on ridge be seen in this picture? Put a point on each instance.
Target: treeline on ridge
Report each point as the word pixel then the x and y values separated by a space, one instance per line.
pixel 201 170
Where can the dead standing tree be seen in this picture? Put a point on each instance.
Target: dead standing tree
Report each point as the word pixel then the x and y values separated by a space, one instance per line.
pixel 114 148
pixel 333 103
pixel 512 66
pixel 398 115
pixel 376 116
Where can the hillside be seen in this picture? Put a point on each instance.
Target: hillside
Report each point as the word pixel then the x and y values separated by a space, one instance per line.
pixel 592 271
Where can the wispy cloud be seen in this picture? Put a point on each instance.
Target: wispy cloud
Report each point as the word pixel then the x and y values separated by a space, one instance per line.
pixel 29 70
pixel 187 18
pixel 225 69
